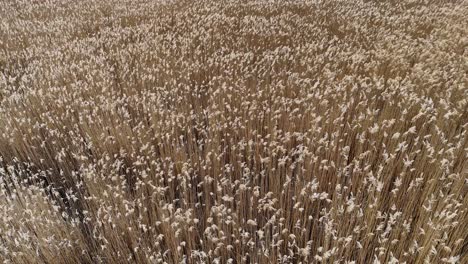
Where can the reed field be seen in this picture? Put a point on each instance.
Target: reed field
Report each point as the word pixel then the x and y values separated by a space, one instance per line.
pixel 145 131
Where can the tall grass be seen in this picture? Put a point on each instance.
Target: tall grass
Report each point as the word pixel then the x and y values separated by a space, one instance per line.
pixel 233 131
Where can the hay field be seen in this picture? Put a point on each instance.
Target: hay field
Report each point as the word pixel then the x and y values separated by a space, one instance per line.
pixel 143 131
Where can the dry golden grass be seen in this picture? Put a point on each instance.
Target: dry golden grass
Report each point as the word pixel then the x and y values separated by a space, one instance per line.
pixel 233 131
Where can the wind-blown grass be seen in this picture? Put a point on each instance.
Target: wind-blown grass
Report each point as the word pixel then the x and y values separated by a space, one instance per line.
pixel 233 131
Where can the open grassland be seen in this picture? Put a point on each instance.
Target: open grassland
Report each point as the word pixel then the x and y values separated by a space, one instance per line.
pixel 139 131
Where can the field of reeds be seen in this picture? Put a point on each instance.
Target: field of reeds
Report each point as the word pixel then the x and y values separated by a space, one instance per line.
pixel 143 131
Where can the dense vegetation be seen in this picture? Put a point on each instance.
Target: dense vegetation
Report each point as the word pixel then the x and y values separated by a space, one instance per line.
pixel 139 131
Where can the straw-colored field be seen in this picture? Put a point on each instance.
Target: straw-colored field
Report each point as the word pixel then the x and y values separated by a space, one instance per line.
pixel 140 131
